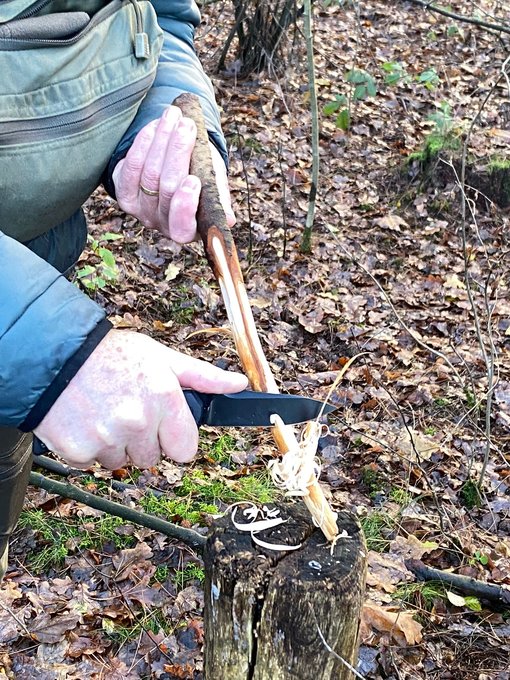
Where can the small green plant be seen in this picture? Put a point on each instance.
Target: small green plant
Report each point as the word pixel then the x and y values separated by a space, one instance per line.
pixel 191 572
pixel 401 496
pixel 378 528
pixel 431 431
pixel 161 574
pixel 60 537
pixel 441 138
pixel 105 271
pixel 470 495
pixel 395 73
pixel 361 85
pixel 481 558
pixel 429 78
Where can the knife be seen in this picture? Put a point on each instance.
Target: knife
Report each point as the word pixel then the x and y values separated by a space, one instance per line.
pixel 243 409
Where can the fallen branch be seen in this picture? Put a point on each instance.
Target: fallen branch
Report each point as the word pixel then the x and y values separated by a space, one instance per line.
pixel 222 256
pixel 67 490
pixel 466 584
pixel 65 471
pixel 460 17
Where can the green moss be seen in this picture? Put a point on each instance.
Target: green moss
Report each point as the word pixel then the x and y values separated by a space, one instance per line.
pixel 373 479
pixel 498 164
pixel 257 488
pixel 191 572
pixel 377 527
pixel 178 509
pixel 422 595
pixel 433 145
pixel 401 496
pixel 60 537
pixel 219 450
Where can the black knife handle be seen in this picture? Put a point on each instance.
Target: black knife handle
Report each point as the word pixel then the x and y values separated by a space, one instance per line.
pixel 38 447
pixel 197 401
pixel 198 405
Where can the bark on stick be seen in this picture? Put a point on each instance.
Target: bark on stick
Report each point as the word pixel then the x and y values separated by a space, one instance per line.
pixel 222 256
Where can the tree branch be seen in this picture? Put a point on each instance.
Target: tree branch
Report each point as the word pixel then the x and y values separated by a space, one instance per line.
pixel 461 17
pixel 470 586
pixel 67 490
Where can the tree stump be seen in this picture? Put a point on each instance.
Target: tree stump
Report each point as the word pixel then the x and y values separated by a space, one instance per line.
pixel 265 611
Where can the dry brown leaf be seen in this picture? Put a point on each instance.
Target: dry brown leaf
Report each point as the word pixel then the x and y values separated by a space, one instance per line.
pixel 53 629
pixel 385 571
pixel 126 559
pixel 399 625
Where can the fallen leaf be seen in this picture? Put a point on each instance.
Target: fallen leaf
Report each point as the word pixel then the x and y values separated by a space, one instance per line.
pixel 400 625
pixel 172 272
pixel 52 629
pixel 456 600
pixel 126 559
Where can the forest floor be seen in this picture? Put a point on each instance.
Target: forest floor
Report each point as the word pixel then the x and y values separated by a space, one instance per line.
pixel 397 275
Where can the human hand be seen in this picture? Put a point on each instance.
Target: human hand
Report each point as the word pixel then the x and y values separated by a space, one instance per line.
pixel 126 404
pixel 153 183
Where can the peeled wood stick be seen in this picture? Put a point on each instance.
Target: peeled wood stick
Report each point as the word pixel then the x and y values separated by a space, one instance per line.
pixel 222 256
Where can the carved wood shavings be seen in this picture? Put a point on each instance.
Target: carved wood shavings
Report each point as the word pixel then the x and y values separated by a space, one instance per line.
pixel 298 465
pixel 262 519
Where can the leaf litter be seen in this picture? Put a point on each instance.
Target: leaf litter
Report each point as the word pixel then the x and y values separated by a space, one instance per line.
pixel 387 277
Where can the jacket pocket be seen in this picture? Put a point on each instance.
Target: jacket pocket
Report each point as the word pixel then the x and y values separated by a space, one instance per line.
pixel 70 88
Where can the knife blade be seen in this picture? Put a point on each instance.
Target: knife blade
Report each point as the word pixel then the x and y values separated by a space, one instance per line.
pixel 252 409
pixel 242 409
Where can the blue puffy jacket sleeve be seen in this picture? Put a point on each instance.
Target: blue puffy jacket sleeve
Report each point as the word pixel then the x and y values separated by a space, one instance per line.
pixel 179 70
pixel 47 328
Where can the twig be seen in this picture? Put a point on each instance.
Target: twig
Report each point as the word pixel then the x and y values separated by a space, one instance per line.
pixel 67 490
pixel 18 621
pixel 314 112
pixel 461 17
pixel 466 584
pixel 489 359
pixel 66 471
pixel 284 202
pixel 248 196
pixel 337 656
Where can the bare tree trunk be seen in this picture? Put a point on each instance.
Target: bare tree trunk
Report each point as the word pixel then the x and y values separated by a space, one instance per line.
pixel 260 26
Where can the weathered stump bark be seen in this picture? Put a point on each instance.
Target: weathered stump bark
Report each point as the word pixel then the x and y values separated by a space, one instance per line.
pixel 264 609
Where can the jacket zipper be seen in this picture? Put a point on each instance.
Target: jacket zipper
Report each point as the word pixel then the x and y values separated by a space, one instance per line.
pixel 141 43
pixel 45 129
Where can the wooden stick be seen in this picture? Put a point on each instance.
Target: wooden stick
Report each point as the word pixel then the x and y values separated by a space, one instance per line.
pixel 222 256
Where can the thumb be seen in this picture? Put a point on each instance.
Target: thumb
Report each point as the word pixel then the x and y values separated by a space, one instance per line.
pixel 204 377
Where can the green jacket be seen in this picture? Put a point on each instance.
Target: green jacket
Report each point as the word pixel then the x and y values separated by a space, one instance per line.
pixel 47 326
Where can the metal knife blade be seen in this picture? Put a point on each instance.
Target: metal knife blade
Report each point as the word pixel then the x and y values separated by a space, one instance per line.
pixel 252 409
pixel 242 409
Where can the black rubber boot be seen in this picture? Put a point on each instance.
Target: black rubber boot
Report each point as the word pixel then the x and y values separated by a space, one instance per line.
pixel 15 466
